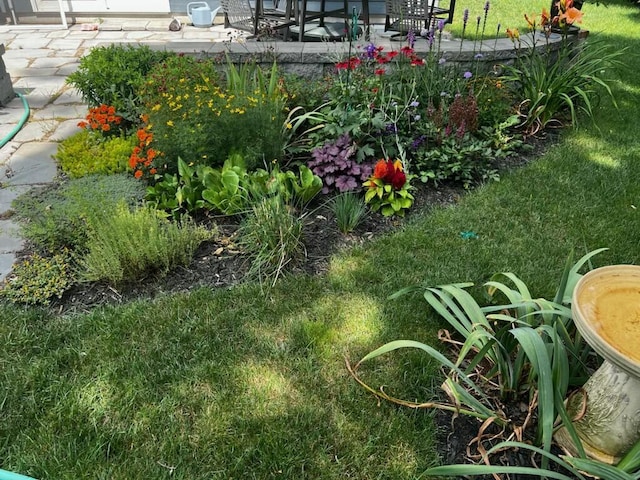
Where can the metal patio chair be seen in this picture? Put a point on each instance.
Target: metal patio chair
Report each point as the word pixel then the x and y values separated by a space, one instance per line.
pixel 239 14
pixel 415 15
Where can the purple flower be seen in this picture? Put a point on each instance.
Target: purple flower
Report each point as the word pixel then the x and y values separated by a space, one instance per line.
pixel 478 56
pixel 441 22
pixel 442 61
pixel 478 18
pixel 414 104
pixel 468 75
pixel 486 7
pixel 465 16
pixel 417 143
pixel 370 51
pixel 411 38
pixel 417 118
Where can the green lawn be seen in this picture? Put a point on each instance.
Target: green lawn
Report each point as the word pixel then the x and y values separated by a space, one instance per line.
pixel 230 384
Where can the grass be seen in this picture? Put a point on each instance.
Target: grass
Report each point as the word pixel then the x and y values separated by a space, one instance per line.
pixel 230 384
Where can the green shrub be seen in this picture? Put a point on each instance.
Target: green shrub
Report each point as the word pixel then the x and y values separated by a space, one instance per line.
pixel 194 116
pixel 113 75
pixel 54 218
pixel 124 245
pixel 86 153
pixel 37 280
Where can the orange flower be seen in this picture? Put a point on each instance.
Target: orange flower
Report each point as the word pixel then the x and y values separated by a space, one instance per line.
pixel 138 174
pixel 531 21
pixel 571 16
pixel 513 33
pixel 380 170
pixel 545 17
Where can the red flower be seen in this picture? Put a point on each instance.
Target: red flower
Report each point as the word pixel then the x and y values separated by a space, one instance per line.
pixel 380 71
pixel 407 50
pixel 399 179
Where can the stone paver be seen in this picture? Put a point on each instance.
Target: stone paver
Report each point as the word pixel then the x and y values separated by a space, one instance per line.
pixel 57 112
pixel 31 164
pixel 34 131
pixel 65 130
pixel 47 63
pixel 10 240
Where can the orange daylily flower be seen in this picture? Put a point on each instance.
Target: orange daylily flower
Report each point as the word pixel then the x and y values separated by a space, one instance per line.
pixel 545 17
pixel 572 15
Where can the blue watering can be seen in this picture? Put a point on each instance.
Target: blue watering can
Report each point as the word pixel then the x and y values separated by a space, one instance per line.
pixel 200 14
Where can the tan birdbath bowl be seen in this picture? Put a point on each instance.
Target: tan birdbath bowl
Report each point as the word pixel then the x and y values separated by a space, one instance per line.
pixel 606 311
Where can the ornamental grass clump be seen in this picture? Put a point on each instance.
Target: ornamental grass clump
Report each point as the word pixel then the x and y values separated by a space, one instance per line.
pixel 556 85
pixel 271 234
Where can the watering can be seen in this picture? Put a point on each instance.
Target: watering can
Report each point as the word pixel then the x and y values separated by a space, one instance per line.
pixel 200 14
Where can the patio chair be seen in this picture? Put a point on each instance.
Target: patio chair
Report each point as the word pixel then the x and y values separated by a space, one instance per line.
pixel 239 14
pixel 415 15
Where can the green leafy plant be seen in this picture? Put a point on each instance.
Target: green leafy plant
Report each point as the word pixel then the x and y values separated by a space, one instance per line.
pixel 298 188
pixel 388 189
pixel 349 210
pixel 113 75
pixel 226 188
pixel 55 218
pixel 182 192
pixel 124 245
pixel 87 153
pixel 524 345
pixel 38 280
pixel 465 159
pixel 271 234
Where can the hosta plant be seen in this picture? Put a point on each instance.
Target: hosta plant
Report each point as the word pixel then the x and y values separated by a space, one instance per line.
pixel 388 189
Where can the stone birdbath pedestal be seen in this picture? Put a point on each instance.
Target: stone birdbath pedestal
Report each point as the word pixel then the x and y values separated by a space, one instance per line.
pixel 606 311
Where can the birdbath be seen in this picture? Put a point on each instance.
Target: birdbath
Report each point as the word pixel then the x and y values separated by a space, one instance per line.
pixel 606 311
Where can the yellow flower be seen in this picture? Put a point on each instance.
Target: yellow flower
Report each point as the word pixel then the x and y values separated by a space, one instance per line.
pixel 289 126
pixel 156 107
pixel 170 123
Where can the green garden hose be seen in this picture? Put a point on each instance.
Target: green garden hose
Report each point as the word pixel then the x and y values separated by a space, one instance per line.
pixel 5 140
pixel 4 475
